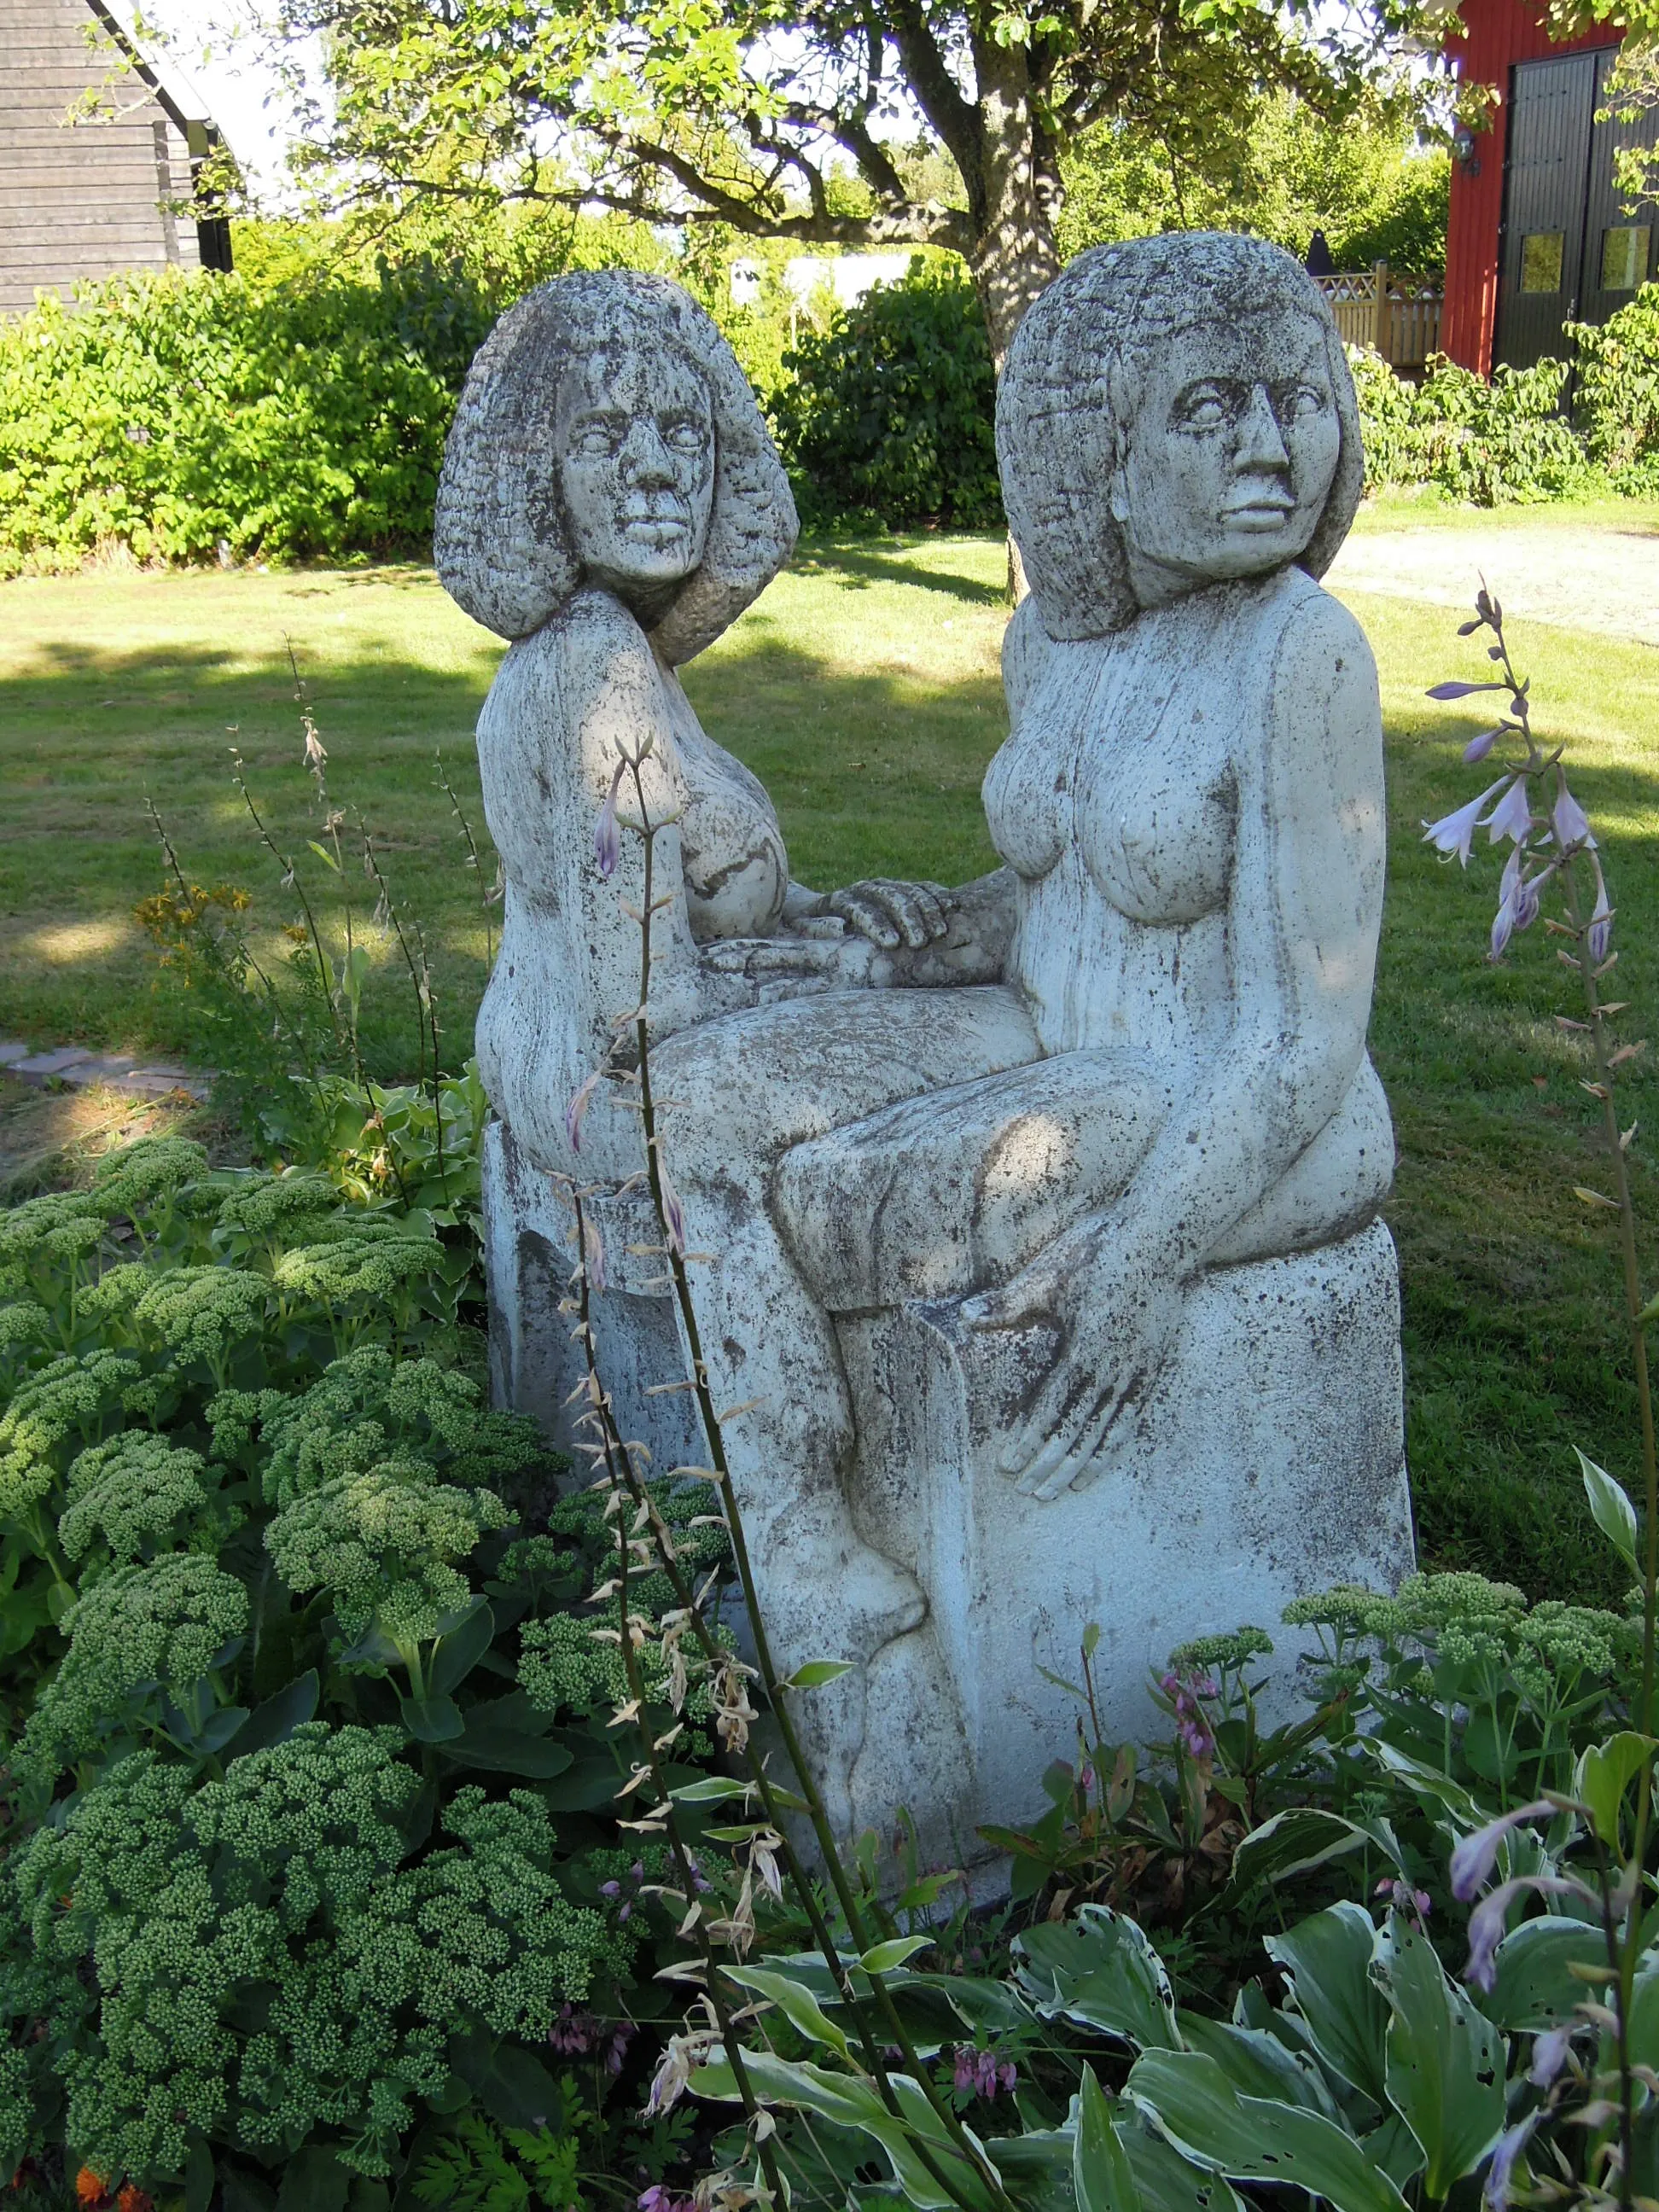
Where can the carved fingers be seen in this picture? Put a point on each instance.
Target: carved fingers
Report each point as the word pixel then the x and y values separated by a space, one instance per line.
pixel 892 915
pixel 1111 1353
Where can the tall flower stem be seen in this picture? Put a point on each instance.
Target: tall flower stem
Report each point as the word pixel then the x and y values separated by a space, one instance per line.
pixel 776 1691
pixel 620 1459
pixel 616 1455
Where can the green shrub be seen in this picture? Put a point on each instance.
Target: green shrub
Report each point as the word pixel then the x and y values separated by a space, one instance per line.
pixel 889 413
pixel 1618 394
pixel 173 414
pixel 1491 444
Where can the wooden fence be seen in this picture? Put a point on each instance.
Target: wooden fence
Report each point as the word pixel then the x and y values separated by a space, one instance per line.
pixel 1399 316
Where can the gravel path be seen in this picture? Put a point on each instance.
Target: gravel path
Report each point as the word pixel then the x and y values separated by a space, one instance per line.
pixel 1588 576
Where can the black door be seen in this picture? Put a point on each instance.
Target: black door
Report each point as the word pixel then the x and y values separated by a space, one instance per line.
pixel 1570 250
pixel 1618 238
pixel 1552 105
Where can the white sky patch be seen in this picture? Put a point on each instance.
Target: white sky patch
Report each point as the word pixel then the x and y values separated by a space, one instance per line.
pixel 216 47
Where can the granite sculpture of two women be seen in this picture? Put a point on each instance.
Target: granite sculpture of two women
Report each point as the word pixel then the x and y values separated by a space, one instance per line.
pixel 1069 1174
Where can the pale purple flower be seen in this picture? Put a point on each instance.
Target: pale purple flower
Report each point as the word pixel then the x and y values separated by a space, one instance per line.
pixel 576 1112
pixel 1549 2055
pixel 1502 926
pixel 1512 816
pixel 610 1889
pixel 1455 832
pixel 1570 822
pixel 593 1253
pixel 1478 748
pixel 1473 1860
pixel 1600 935
pixel 621 2036
pixel 607 838
pixel 1486 1928
pixel 660 2199
pixel 1510 2144
pixel 673 1212
pixel 1487 1919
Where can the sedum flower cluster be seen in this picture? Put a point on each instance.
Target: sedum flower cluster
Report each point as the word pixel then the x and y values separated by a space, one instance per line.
pixel 382 1543
pixel 1471 1622
pixel 259 1958
pixel 365 1408
pixel 68 1404
pixel 138 1495
pixel 138 1629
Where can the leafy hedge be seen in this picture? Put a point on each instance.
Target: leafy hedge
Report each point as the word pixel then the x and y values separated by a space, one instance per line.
pixel 888 414
pixel 174 414
pixel 1618 395
pixel 1491 444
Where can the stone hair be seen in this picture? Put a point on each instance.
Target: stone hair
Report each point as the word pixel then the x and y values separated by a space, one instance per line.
pixel 1081 353
pixel 500 539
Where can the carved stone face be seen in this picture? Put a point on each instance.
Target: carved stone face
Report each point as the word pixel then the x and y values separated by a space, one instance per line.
pixel 637 466
pixel 1230 456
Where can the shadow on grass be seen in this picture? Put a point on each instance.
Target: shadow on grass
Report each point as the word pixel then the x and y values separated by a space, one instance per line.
pixel 859 566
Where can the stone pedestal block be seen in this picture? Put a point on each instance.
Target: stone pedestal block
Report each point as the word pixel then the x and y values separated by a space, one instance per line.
pixel 1268 1462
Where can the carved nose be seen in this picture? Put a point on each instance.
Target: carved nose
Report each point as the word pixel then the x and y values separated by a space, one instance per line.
pixel 645 460
pixel 1260 445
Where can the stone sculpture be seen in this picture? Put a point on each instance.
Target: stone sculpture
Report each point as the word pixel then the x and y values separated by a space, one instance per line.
pixel 1043 1211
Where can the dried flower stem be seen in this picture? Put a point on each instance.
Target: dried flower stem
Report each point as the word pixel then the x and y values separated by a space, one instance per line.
pixel 616 1457
pixel 777 1695
pixel 472 860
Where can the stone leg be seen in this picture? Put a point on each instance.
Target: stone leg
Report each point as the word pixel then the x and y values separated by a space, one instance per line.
pixel 1268 1462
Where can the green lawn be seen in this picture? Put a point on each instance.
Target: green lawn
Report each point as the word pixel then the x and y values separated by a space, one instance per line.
pixel 863 689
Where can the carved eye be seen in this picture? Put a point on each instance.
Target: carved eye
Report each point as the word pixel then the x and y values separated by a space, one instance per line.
pixel 685 436
pixel 596 440
pixel 1205 409
pixel 1299 401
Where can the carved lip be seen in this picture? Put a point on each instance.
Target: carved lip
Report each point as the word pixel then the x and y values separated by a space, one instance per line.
pixel 1261 510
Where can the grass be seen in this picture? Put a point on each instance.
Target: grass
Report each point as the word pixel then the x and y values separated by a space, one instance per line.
pixel 864 690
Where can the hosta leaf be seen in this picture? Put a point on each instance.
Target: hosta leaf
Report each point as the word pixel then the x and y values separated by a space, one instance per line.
pixel 1446 2061
pixel 1327 1959
pixel 1100 2172
pixel 1531 1988
pixel 1190 2100
pixel 1101 1969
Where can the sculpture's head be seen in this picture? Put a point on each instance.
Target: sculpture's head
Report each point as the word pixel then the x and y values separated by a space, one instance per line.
pixel 1175 411
pixel 606 435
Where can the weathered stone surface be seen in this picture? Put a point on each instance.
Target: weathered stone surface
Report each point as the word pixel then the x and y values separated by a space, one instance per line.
pixel 1042 1212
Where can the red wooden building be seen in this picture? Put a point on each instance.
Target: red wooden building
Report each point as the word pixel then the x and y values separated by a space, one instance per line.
pixel 1538 235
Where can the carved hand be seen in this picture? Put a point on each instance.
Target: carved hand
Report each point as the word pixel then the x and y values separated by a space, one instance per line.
pixel 1116 1312
pixel 810 964
pixel 892 914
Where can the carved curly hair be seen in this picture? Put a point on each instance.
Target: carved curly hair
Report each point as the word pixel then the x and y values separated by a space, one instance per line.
pixel 1081 353
pixel 500 538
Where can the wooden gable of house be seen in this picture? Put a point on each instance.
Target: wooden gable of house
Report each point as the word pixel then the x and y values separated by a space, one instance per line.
pixel 91 198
